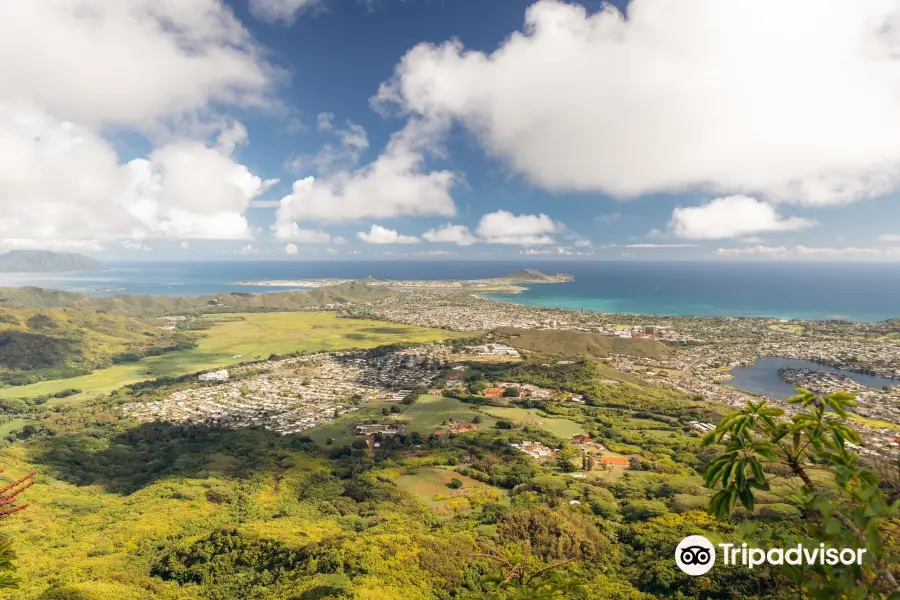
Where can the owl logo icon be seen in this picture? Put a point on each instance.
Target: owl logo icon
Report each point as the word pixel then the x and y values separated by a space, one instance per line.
pixel 695 555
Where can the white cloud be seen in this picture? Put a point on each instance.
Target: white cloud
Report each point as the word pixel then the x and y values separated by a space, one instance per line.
pixel 731 217
pixel 292 232
pixel 248 249
pixel 62 181
pixel 452 234
pixel 785 101
pixel 889 238
pixel 324 121
pixel 155 67
pixel 290 249
pixel 504 227
pixel 382 235
pixel 135 245
pixel 128 63
pixel 56 245
pixel 559 251
pixel 283 10
pixel 660 245
pixel 391 186
pixel 352 141
pixel 185 245
pixel 803 252
pixel 582 243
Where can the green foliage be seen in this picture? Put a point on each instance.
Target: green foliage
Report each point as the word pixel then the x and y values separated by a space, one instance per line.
pixel 851 513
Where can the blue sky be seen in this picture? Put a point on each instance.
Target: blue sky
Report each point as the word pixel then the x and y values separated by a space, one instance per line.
pixel 456 128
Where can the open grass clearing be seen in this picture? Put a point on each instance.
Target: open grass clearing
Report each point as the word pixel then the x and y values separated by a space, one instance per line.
pixel 229 341
pixel 430 412
pixel 562 428
pixel 430 485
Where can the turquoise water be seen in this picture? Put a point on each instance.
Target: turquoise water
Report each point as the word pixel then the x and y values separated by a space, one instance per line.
pixel 762 377
pixel 859 292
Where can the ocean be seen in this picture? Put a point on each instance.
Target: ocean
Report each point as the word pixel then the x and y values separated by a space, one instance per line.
pixel 857 292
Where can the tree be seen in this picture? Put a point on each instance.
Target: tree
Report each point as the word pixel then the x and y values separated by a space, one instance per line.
pixel 852 513
pixel 455 483
pixel 522 577
pixel 511 392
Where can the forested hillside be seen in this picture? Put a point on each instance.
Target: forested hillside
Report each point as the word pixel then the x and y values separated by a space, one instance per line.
pixel 65 342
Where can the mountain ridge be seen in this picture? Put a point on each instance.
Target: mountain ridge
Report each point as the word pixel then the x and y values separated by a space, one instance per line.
pixel 44 261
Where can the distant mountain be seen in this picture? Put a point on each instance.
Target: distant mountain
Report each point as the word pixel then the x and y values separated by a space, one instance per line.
pixel 535 276
pixel 24 261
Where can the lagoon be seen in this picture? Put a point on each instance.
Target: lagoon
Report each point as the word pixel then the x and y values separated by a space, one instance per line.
pixel 762 376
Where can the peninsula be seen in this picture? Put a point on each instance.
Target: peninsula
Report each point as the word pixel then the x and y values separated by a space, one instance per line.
pixel 511 283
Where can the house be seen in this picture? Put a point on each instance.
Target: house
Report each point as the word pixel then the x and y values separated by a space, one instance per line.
pixel 494 392
pixel 580 438
pixel 614 461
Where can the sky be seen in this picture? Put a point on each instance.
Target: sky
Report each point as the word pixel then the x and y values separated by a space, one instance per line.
pixel 434 129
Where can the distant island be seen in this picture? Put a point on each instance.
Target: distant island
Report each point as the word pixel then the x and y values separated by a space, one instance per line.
pixel 535 276
pixel 42 261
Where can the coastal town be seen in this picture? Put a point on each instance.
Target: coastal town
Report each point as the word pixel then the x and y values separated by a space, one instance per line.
pixel 693 355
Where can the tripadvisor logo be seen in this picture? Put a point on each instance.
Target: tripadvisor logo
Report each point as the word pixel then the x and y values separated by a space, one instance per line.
pixel 696 555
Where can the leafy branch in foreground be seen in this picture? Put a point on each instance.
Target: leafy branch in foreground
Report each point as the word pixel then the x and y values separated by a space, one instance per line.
pixel 850 511
pixel 9 495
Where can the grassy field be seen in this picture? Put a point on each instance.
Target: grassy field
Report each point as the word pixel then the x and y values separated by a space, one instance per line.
pixel 426 482
pixel 562 428
pixel 253 336
pixel 429 412
pixel 341 429
pixel 430 486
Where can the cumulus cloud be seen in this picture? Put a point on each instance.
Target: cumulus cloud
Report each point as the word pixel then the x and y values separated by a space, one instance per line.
pixel 280 10
pixel 890 238
pixel 784 101
pixel 11 243
pixel 451 234
pixel 382 235
pixel 185 245
pixel 660 245
pixel 391 186
pixel 324 121
pixel 290 249
pixel 559 251
pixel 804 252
pixel 71 69
pixel 292 232
pixel 504 227
pixel 135 245
pixel 128 63
pixel 62 181
pixel 731 217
